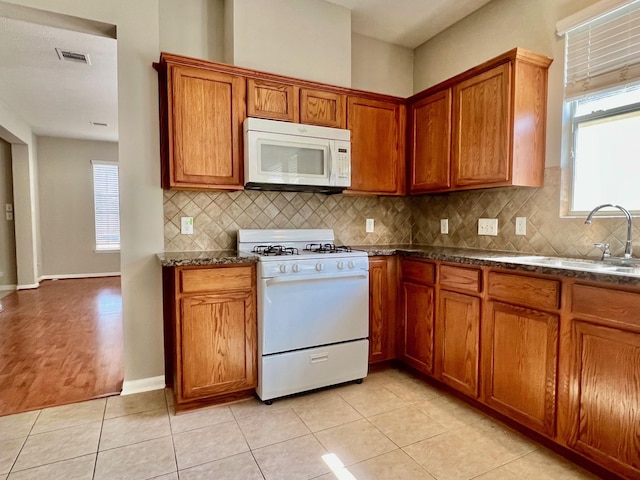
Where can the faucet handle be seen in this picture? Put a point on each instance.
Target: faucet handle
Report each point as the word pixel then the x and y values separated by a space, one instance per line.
pixel 605 249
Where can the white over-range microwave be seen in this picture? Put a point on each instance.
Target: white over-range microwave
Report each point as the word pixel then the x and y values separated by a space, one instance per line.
pixel 295 157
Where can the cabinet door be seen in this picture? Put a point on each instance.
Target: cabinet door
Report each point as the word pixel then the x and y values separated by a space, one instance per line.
pixel 382 300
pixel 377 146
pixel 417 326
pixel 481 129
pixel 217 344
pixel 430 124
pixel 327 109
pixel 458 341
pixel 207 110
pixel 605 396
pixel 520 354
pixel 273 100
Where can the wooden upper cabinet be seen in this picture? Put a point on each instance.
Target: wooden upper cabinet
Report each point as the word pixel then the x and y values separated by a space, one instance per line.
pixel 495 126
pixel 202 138
pixel 481 128
pixel 430 150
pixel 377 146
pixel 319 107
pixel 273 100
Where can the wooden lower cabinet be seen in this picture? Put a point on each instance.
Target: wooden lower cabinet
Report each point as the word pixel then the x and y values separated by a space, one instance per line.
pixel 417 315
pixel 458 341
pixel 382 308
pixel 210 333
pixel 602 396
pixel 520 351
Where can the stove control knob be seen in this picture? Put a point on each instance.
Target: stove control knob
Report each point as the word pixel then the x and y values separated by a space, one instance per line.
pixel 295 268
pixel 319 266
pixel 340 265
pixel 283 269
pixel 351 265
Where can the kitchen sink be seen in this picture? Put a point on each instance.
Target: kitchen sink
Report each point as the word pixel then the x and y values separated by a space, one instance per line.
pixel 620 266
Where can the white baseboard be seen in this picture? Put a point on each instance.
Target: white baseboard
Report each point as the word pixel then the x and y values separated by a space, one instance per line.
pixel 28 286
pixel 64 276
pixel 142 385
pixel 8 287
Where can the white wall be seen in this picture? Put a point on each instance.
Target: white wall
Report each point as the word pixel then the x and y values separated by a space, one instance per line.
pixel 496 28
pixel 141 217
pixel 7 231
pixel 381 67
pixel 307 39
pixel 194 28
pixel 16 131
pixel 67 221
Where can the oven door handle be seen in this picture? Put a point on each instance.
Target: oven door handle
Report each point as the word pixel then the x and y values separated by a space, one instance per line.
pixel 332 276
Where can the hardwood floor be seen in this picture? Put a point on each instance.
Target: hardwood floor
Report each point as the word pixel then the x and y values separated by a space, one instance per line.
pixel 60 343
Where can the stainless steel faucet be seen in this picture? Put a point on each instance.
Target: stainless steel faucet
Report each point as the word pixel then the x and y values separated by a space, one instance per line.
pixel 628 247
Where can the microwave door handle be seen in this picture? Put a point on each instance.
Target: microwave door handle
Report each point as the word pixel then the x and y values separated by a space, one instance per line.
pixel 333 163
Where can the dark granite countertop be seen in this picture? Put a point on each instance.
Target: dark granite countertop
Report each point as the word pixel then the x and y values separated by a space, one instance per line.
pixel 215 257
pixel 490 258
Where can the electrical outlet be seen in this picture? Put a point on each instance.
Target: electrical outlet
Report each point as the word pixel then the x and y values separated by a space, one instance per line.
pixel 521 225
pixel 488 226
pixel 369 226
pixel 186 225
pixel 444 226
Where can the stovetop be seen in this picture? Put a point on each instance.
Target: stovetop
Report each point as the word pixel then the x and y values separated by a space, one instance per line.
pixel 291 244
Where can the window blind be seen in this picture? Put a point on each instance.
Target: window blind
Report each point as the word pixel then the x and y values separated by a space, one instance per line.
pixel 603 52
pixel 106 200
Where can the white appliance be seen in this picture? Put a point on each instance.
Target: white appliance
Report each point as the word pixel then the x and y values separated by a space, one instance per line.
pixel 296 157
pixel 313 310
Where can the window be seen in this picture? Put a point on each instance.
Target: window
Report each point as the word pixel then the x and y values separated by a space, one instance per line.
pixel 106 201
pixel 602 100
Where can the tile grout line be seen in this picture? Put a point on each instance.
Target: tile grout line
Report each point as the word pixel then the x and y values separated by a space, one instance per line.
pixel 24 443
pixel 95 462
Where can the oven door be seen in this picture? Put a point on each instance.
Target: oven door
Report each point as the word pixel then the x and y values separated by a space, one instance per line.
pixel 297 312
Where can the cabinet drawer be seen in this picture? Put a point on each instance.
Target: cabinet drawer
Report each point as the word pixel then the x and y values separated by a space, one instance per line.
pixel 419 272
pixel 523 290
pixel 622 307
pixel 216 279
pixel 460 278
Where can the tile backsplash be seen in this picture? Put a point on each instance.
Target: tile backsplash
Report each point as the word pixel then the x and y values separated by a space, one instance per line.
pixel 218 215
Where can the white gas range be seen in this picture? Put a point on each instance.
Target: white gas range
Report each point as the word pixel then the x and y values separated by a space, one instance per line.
pixel 313 310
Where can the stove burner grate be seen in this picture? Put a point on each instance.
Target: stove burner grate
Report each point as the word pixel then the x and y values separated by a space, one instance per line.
pixel 326 248
pixel 275 250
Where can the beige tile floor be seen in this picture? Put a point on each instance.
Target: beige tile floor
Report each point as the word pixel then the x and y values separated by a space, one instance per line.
pixel 393 426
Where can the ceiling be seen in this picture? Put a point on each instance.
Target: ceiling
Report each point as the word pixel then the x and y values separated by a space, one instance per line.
pixel 406 22
pixel 62 98
pixel 59 98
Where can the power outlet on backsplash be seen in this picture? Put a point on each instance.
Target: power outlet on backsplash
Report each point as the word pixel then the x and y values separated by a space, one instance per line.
pixel 488 226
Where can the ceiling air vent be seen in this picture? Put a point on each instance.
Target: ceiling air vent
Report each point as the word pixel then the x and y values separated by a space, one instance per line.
pixel 71 56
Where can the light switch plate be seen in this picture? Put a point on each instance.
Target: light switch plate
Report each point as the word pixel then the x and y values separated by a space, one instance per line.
pixel 369 225
pixel 444 226
pixel 488 226
pixel 8 207
pixel 521 225
pixel 9 215
pixel 186 225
